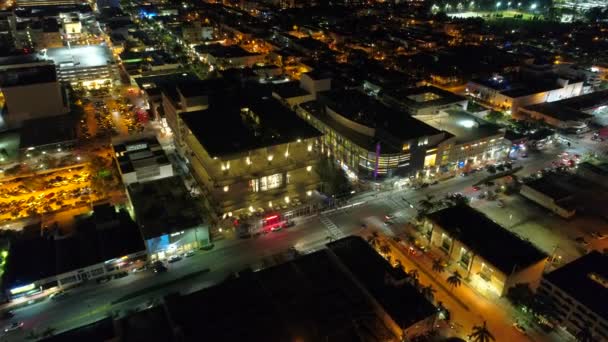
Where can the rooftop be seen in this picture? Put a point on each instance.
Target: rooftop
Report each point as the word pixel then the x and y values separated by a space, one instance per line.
pixel 309 298
pixel 405 305
pixel 26 74
pixel 44 256
pixel 586 280
pixel 423 97
pixel 223 51
pixel 551 186
pixel 365 110
pixel 136 154
pixel 84 56
pixel 464 126
pixel 163 206
pixel 503 249
pixel 49 130
pixel 289 89
pixel 227 128
pixel 559 111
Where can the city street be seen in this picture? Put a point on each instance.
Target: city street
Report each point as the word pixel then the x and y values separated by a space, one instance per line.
pixel 93 301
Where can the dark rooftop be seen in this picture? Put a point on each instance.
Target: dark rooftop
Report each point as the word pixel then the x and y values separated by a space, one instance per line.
pixel 28 74
pixel 365 110
pixel 550 186
pixel 289 89
pixel 503 249
pixel 225 129
pixel 98 331
pixel 307 299
pixel 222 51
pixel 585 279
pixel 426 96
pixel 163 206
pixel 405 305
pixel 37 258
pixel 49 130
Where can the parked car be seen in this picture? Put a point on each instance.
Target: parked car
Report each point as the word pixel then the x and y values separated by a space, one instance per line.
pixel 174 258
pixel 58 295
pixel 8 314
pixel 519 328
pixel 288 224
pixel 159 267
pixel 189 254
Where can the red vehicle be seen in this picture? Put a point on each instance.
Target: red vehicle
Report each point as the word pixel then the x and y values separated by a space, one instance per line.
pixel 272 222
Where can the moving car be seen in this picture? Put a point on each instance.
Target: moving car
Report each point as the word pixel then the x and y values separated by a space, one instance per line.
pixel 189 254
pixel 58 295
pixel 159 267
pixel 174 258
pixel 14 326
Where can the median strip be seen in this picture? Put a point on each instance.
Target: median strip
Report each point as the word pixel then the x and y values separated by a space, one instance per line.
pixel 152 288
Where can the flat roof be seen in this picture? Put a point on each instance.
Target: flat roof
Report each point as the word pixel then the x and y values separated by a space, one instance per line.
pixel 464 126
pixel 223 130
pixel 135 154
pixel 595 166
pixel 163 206
pixel 503 249
pixel 289 89
pixel 365 110
pixel 101 330
pixel 223 51
pixel 41 257
pixel 586 102
pixel 48 130
pixel 158 81
pixel 405 304
pixel 25 74
pixel 585 279
pixel 559 111
pixel 83 56
pixel 551 186
pixel 424 97
pixel 308 298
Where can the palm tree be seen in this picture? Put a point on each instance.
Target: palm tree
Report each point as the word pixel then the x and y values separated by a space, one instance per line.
pixel 412 277
pixel 428 292
pixel 584 335
pixel 455 279
pixel 373 239
pixel 481 334
pixel 384 249
pixel 438 265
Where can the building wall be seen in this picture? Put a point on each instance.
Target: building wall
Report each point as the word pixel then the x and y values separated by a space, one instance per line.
pixel 573 315
pixel 314 86
pixel 546 201
pixel 530 275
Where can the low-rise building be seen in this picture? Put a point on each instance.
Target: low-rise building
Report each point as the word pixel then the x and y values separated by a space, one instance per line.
pixel 141 160
pixel 225 57
pixel 469 140
pixel 168 219
pixel 579 294
pixel 595 171
pixel 488 256
pixel 501 92
pixel 103 244
pixel 550 193
pixel 426 100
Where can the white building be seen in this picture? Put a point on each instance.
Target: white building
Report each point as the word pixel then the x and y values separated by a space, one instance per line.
pixel 142 160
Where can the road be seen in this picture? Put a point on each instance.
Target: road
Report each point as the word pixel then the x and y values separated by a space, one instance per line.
pixel 92 302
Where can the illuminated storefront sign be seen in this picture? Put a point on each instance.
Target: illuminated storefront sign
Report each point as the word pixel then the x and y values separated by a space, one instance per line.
pixel 22 289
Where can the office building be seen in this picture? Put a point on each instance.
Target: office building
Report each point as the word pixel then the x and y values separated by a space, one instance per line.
pixel 86 65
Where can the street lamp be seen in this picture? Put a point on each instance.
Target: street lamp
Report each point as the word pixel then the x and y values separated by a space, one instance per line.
pixel 498 4
pixel 533 6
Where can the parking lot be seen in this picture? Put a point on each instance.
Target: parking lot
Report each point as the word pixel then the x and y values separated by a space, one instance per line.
pixel 46 193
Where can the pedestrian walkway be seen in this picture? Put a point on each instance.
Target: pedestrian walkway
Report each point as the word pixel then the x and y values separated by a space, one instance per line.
pixel 335 232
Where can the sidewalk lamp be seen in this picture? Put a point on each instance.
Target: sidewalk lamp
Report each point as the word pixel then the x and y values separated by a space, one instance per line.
pixel 533 6
pixel 498 4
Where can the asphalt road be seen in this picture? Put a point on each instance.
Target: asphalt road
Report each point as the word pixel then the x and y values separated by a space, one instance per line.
pixel 93 301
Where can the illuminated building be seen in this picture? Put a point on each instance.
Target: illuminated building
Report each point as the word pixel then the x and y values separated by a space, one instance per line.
pixel 369 139
pixel 103 244
pixel 502 93
pixel 250 153
pixel 167 217
pixel 487 255
pixel 469 140
pixel 425 100
pixel 579 294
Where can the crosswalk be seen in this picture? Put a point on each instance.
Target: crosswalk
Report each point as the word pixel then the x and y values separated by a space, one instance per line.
pixel 335 232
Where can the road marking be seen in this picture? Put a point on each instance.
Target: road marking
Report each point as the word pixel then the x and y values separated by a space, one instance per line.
pixel 335 232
